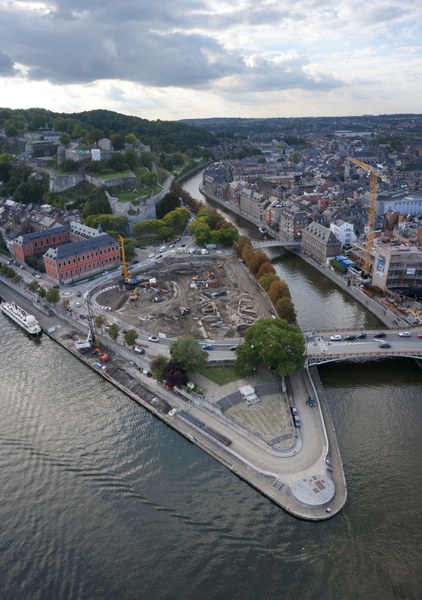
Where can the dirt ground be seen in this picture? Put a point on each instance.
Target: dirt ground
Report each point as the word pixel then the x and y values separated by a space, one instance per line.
pixel 208 297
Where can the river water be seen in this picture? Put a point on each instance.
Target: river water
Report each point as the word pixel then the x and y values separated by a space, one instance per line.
pixel 100 500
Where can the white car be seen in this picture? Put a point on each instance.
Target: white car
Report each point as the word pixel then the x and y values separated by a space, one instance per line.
pixel 78 304
pixel 153 338
pixel 151 255
pixel 37 276
pixel 335 338
pixel 404 334
pixel 139 350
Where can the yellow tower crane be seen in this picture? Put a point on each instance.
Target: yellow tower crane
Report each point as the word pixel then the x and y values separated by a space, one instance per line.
pixel 372 209
pixel 125 271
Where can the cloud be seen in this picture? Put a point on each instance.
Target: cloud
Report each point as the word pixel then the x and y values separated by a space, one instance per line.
pixel 6 65
pixel 227 49
pixel 281 72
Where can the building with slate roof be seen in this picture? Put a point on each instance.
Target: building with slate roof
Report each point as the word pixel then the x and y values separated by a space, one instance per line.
pixel 78 260
pixel 320 243
pixel 70 252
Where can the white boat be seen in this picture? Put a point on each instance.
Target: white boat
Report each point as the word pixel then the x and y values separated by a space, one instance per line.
pixel 28 322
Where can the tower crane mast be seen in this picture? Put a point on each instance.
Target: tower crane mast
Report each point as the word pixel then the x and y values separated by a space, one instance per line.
pixel 372 209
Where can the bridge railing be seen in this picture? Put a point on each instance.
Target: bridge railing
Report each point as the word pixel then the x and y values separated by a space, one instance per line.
pixel 315 359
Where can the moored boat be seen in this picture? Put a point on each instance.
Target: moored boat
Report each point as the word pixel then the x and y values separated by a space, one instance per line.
pixel 28 322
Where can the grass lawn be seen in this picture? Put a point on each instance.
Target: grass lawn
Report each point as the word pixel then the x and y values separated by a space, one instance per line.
pixel 113 175
pixel 125 196
pixel 221 375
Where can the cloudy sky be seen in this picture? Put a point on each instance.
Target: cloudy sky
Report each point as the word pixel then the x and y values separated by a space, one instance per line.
pixel 174 59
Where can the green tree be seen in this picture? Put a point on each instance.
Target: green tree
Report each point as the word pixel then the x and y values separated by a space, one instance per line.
pixel 145 159
pixel 131 337
pixel 274 343
pixel 158 366
pixel 68 165
pixel 168 203
pixel 131 158
pixel 42 292
pixel 33 286
pixel 113 331
pixel 10 128
pixel 177 219
pixel 131 139
pixel 187 353
pixel 65 139
pixel 148 179
pixel 130 249
pixel 108 222
pixel 5 157
pixel 52 296
pixel 226 236
pixel 117 141
pixel 117 162
pixel 200 231
pixel 93 136
pixel 100 321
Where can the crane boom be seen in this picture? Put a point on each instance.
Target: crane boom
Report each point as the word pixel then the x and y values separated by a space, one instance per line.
pixel 372 209
pixel 125 271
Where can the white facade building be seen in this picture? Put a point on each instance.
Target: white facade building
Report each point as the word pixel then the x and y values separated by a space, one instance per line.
pixel 344 232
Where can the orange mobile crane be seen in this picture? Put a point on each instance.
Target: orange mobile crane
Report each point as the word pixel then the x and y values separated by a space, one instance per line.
pixel 372 209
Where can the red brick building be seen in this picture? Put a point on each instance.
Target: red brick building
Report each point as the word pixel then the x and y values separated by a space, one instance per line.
pixel 70 252
pixel 71 262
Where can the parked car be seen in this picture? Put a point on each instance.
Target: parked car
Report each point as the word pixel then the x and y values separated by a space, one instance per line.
pixel 380 334
pixel 208 347
pixel 82 316
pixel 293 410
pixel 37 276
pixel 404 334
pixel 335 338
pixel 384 345
pixel 139 350
pixel 153 338
pixel 297 421
pixel 419 334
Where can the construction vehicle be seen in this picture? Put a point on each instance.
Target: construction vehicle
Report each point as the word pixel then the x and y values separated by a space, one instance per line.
pixel 133 295
pixel 129 278
pixel 104 357
pixel 85 344
pixel 372 208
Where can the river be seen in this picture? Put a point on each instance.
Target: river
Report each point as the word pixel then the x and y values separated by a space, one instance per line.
pixel 100 500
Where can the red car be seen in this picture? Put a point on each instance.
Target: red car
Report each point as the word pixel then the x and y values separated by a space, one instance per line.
pixel 419 334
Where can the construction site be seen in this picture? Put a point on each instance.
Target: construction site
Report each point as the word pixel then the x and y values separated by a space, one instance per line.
pixel 207 297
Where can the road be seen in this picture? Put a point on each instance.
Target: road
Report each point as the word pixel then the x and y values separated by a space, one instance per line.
pixel 324 346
